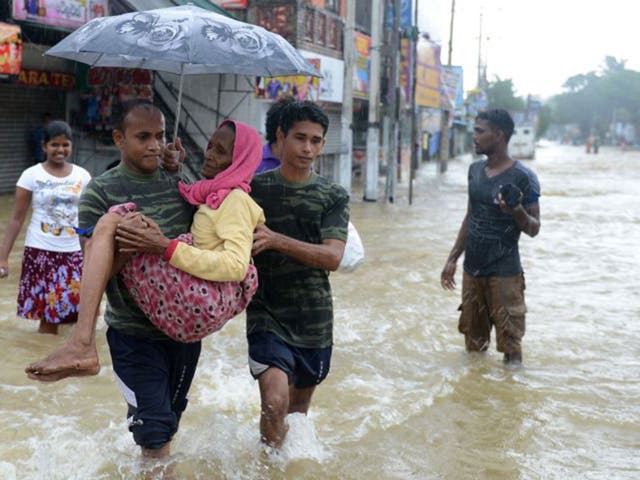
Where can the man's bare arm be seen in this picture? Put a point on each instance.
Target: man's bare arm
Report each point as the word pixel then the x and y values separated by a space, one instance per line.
pixel 326 256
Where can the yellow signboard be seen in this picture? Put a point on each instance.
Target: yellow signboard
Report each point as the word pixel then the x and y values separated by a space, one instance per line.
pixel 428 74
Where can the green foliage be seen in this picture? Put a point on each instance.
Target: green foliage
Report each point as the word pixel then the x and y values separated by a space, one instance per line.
pixel 501 94
pixel 594 100
pixel 544 120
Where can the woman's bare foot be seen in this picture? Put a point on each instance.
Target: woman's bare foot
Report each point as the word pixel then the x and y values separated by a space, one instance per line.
pixel 71 359
pixel 50 328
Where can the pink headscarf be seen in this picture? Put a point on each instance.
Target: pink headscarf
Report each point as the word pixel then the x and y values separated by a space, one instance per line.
pixel 247 153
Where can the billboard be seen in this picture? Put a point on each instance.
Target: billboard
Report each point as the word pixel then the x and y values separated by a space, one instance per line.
pixel 361 65
pixel 406 17
pixel 231 4
pixel 329 88
pixel 405 73
pixel 10 49
pixel 66 14
pixel 427 74
pixel 452 89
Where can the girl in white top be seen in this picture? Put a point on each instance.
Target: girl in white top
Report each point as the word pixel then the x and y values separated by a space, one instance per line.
pixel 52 261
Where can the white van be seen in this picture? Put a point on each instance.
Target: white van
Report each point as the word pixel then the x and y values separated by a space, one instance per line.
pixel 523 142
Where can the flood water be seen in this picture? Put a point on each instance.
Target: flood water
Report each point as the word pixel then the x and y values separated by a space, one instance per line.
pixel 403 400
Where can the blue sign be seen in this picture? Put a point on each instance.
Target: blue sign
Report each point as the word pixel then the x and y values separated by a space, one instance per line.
pixel 406 16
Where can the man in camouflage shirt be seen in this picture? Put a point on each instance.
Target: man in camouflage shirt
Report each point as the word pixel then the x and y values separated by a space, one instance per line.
pixel 154 372
pixel 290 319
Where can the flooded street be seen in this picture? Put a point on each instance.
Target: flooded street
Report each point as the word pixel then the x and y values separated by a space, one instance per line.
pixel 403 400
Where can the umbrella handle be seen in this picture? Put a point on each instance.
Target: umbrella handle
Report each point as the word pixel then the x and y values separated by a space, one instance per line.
pixel 177 119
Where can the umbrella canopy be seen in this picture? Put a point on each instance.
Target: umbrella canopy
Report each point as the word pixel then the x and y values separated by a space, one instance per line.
pixel 182 40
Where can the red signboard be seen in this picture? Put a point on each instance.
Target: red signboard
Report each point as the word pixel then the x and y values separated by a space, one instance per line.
pixel 42 78
pixel 10 49
pixel 232 4
pixel 117 76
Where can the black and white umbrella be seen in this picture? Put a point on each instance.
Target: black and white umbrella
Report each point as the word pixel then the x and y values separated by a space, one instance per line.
pixel 185 40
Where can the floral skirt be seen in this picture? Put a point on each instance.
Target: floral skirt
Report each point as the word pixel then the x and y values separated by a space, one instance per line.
pixel 184 307
pixel 49 288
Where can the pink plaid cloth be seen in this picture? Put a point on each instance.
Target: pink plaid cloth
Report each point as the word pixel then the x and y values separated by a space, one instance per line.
pixel 184 307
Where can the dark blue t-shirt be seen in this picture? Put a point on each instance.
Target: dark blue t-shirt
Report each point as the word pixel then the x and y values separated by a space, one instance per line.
pixel 491 249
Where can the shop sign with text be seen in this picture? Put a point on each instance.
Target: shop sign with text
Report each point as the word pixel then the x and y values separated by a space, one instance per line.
pixel 43 78
pixel 428 74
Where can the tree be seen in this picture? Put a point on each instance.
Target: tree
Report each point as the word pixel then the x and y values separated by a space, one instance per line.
pixel 501 94
pixel 594 101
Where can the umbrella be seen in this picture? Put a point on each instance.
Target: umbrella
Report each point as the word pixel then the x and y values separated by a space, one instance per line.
pixel 183 40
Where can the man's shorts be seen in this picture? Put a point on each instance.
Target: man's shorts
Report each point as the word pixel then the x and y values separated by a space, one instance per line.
pixel 492 301
pixel 305 367
pixel 154 377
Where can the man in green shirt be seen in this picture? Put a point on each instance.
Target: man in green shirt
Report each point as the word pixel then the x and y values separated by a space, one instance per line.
pixel 153 372
pixel 290 319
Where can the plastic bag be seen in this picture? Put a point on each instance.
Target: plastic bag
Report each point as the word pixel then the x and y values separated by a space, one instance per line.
pixel 353 251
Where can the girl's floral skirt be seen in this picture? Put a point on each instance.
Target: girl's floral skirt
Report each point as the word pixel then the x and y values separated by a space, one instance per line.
pixel 49 288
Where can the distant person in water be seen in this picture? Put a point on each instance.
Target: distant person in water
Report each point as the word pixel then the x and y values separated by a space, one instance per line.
pixel 502 203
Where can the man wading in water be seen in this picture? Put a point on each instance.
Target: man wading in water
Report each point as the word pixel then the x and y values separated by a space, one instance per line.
pixel 503 201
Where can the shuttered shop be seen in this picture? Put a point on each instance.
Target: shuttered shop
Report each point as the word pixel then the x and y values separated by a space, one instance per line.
pixel 21 111
pixel 333 142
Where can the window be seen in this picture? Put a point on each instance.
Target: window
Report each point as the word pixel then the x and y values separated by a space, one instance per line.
pixel 332 5
pixel 322 29
pixel 309 24
pixel 332 37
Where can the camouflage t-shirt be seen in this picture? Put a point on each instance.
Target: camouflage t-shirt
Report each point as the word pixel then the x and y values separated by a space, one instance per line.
pixel 293 300
pixel 156 196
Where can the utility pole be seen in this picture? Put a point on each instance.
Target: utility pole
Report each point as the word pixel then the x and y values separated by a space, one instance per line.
pixel 444 124
pixel 414 109
pixel 480 85
pixel 372 170
pixel 344 174
pixel 395 104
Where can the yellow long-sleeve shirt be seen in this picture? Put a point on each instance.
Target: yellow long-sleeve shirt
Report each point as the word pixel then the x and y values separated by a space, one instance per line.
pixel 222 240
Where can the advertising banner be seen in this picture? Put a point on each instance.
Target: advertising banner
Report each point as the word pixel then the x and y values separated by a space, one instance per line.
pixel 452 89
pixel 361 65
pixel 66 14
pixel 406 17
pixel 428 74
pixel 329 88
pixel 405 70
pixel 10 49
pixel 231 4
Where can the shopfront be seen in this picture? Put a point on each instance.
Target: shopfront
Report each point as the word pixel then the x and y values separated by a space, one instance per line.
pixel 32 85
pixel 40 85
